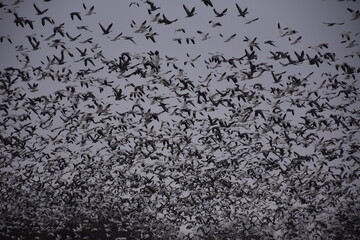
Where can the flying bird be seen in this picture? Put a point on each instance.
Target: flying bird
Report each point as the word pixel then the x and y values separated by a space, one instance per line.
pixel 242 13
pixel 75 14
pixel 207 3
pixel 189 13
pixel 38 11
pixel 223 13
pixel 356 14
pixel 106 30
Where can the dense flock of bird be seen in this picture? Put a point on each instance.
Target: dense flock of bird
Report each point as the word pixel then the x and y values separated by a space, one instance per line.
pixel 147 145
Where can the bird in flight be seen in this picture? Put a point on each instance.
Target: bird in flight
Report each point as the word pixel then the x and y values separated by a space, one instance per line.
pixel 106 30
pixel 38 11
pixel 189 13
pixel 242 13
pixel 223 13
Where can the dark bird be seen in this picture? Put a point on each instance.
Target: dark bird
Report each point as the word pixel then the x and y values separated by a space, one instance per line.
pixel 90 11
pixel 332 24
pixel 47 19
pixel 220 14
pixel 165 20
pixel 356 14
pixel 72 38
pixel 2 38
pixel 207 3
pixel 75 14
pixel 188 12
pixel 153 7
pixel 38 11
pixel 106 30
pixel 252 20
pixel 242 13
pixel 134 3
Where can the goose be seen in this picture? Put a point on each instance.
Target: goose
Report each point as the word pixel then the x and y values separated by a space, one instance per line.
pixel 129 38
pixel 296 41
pixel 352 44
pixel 90 11
pixel 223 13
pixel 215 24
pixel 332 24
pixel 106 30
pixel 251 21
pixel 229 38
pixel 117 37
pixel 188 12
pixel 134 3
pixel 242 13
pixel 47 19
pixel 38 11
pixel 151 35
pixel 86 28
pixel 7 37
pixel 29 22
pixel 165 20
pixel 270 42
pixel 35 45
pixel 72 39
pixel 190 39
pixel 356 14
pixel 75 14
pixel 152 6
pixel 82 53
pixel 154 18
pixel 207 3
pixel 252 43
pixel 204 36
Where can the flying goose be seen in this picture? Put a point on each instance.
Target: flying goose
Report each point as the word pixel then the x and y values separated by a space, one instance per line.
pixel 165 20
pixel 152 6
pixel 106 30
pixel 207 3
pixel 223 13
pixel 242 13
pixel 90 11
pixel 188 12
pixel 356 14
pixel 38 11
pixel 47 19
pixel 75 14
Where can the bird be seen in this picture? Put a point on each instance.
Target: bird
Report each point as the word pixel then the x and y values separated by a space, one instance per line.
pixel 252 20
pixel 296 41
pixel 38 11
pixel 165 20
pixel 189 13
pixel 332 23
pixel 106 30
pixel 72 39
pixel 356 14
pixel 47 19
pixel 223 13
pixel 90 11
pixel 117 37
pixel 7 37
pixel 207 3
pixel 242 13
pixel 153 7
pixel 229 38
pixel 129 38
pixel 77 14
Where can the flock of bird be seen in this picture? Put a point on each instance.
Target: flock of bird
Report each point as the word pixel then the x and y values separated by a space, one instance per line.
pixel 261 145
